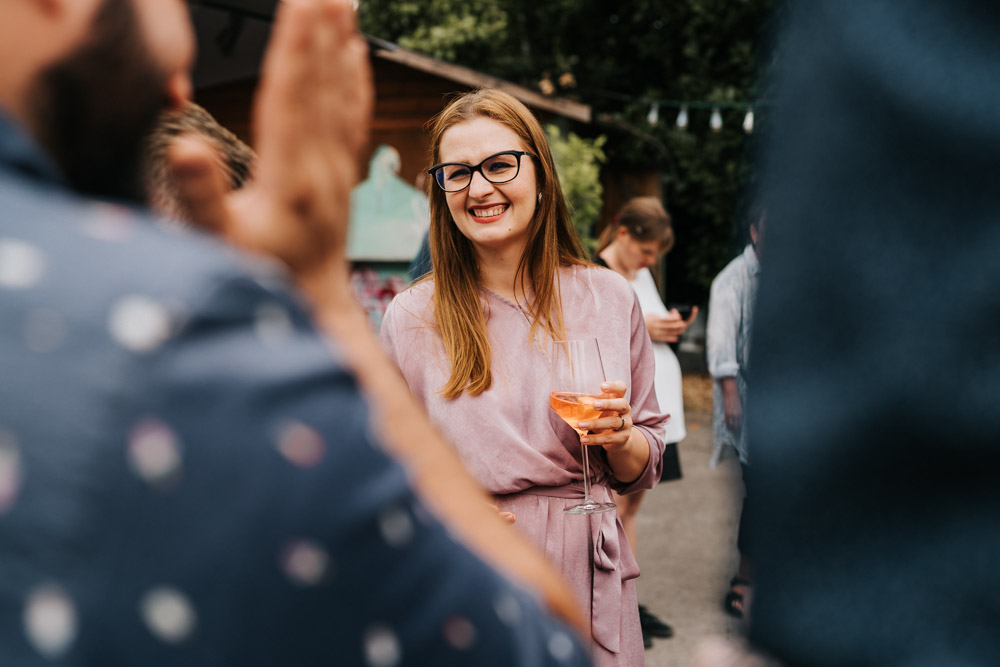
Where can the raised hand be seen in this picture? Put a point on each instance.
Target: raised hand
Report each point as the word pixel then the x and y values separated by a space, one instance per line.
pixel 311 120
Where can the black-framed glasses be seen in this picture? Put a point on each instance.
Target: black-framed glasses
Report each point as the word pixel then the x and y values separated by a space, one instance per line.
pixel 501 167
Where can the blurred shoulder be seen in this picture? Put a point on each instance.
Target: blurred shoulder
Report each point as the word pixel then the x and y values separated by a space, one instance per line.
pixel 415 302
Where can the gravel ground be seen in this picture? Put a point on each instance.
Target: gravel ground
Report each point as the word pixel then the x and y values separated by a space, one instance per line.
pixel 687 539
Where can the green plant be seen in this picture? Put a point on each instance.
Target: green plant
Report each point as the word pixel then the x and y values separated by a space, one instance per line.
pixel 578 164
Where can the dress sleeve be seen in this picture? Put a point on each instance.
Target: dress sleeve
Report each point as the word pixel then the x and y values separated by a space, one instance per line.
pixel 388 332
pixel 291 534
pixel 646 414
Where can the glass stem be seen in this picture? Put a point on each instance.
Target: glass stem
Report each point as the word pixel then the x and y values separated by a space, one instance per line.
pixel 586 474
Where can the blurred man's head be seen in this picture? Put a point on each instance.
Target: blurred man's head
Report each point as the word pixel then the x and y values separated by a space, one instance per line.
pixel 91 106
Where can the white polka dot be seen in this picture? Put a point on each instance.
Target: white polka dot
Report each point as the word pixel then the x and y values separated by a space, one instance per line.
pixel 168 614
pixel 459 633
pixel 10 470
pixel 300 444
pixel 44 330
pixel 154 452
pixel 508 609
pixel 272 324
pixel 50 620
pixel 22 265
pixel 139 323
pixel 561 646
pixel 396 527
pixel 305 562
pixel 382 647
pixel 111 223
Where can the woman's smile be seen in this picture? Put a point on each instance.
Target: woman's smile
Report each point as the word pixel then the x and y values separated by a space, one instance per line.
pixel 488 213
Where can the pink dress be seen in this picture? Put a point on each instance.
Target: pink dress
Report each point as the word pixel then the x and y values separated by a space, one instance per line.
pixel 524 454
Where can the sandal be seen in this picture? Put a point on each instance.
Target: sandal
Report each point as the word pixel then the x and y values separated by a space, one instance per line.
pixel 733 602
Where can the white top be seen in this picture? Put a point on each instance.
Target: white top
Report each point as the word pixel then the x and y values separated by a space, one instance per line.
pixel 668 371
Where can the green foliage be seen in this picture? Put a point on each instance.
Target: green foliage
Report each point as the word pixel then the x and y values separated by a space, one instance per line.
pixel 454 30
pixel 618 57
pixel 578 164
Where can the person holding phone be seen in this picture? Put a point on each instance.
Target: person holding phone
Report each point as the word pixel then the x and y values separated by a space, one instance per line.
pixel 634 240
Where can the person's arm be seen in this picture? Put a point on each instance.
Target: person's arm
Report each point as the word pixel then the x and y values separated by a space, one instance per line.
pixel 311 119
pixel 438 473
pixel 721 333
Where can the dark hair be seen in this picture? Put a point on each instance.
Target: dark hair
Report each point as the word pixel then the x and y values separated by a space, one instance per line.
pixel 645 219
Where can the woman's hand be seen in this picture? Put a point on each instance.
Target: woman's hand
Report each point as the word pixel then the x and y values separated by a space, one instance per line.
pixel 508 517
pixel 311 118
pixel 733 404
pixel 626 447
pixel 669 328
pixel 614 427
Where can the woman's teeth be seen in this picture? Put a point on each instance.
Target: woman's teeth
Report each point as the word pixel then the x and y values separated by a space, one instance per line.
pixel 488 212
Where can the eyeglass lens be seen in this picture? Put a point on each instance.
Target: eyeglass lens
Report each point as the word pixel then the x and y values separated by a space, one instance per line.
pixel 496 169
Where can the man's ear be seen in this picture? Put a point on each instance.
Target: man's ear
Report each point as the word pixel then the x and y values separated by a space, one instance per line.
pixel 621 234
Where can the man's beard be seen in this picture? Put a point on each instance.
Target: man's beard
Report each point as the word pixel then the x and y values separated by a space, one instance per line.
pixel 94 108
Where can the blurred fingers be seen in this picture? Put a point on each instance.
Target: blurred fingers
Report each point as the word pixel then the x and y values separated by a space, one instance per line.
pixel 200 182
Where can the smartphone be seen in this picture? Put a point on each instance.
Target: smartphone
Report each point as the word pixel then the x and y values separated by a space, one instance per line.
pixel 683 309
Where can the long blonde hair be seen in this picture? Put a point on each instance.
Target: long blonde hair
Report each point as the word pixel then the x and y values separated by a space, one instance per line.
pixel 551 242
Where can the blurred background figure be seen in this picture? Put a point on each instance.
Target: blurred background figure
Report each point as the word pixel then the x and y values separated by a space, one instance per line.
pixel 635 240
pixel 730 325
pixel 389 217
pixel 875 432
pixel 192 123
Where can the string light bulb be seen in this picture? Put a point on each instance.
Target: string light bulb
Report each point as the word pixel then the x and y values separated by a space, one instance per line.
pixel 748 121
pixel 654 114
pixel 682 118
pixel 715 122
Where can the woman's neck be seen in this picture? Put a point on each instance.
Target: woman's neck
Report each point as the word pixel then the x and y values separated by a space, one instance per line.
pixel 498 273
pixel 610 255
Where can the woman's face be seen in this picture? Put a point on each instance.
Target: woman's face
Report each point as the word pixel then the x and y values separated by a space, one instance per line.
pixel 636 255
pixel 494 217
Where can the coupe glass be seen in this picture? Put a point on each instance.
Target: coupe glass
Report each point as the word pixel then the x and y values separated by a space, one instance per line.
pixel 577 375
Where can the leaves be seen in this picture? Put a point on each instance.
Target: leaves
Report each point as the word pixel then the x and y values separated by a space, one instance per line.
pixel 578 164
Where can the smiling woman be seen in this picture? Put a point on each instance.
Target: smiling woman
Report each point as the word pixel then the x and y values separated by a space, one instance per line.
pixel 473 342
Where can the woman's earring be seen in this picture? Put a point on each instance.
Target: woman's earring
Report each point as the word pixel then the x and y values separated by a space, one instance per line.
pixel 539 197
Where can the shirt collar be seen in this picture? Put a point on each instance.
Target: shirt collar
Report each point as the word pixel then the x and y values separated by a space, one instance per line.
pixel 20 153
pixel 753 264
